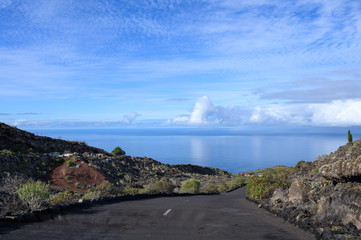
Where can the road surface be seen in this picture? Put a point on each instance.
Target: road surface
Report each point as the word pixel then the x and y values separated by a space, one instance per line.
pixel 224 216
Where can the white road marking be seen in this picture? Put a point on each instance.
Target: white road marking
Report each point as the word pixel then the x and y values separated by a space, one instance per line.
pixel 166 212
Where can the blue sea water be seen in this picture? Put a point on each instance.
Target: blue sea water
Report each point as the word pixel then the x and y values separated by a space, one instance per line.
pixel 221 148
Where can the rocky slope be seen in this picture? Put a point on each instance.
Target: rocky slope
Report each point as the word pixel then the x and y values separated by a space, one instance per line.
pixel 25 156
pixel 20 141
pixel 323 196
pixel 133 171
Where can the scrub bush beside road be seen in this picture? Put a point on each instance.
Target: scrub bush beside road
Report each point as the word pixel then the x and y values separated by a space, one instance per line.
pixel 260 187
pixel 161 186
pixel 191 186
pixel 103 190
pixel 35 194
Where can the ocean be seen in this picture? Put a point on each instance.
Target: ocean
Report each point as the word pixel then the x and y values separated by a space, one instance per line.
pixel 230 150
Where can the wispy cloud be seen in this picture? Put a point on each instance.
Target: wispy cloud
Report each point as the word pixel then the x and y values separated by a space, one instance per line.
pixel 153 56
pixel 314 90
pixel 178 99
pixel 29 113
pixel 126 121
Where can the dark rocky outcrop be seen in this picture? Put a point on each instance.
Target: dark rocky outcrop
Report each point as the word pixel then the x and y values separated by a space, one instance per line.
pixel 17 140
pixel 324 196
pixel 346 170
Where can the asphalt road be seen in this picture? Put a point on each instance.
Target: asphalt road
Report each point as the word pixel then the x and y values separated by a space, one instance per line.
pixel 224 216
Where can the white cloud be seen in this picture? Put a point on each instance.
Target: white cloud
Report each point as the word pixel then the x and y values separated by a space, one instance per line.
pixel 335 113
pixel 205 113
pixel 127 119
pixel 294 114
pixel 179 120
pixel 202 110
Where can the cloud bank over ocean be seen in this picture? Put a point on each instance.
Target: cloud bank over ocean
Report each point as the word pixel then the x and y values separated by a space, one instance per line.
pixel 335 113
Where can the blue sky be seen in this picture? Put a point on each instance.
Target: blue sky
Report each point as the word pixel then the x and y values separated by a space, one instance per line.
pixel 180 63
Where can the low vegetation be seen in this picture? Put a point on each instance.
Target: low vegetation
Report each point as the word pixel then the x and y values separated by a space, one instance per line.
pixel 102 190
pixel 62 197
pixel 299 164
pixel 35 194
pixel 236 182
pixel 161 186
pixel 118 151
pixel 349 136
pixel 260 187
pixel 130 191
pixel 191 186
pixel 70 163
pixel 210 189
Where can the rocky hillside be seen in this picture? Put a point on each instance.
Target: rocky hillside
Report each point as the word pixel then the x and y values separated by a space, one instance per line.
pixel 323 196
pixel 84 171
pixel 140 171
pixel 20 141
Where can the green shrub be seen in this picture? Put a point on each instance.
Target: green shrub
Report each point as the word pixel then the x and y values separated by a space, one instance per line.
pixel 68 179
pixel 118 151
pixel 222 187
pixel 260 187
pixel 236 182
pixel 191 186
pixel 210 189
pixel 315 170
pixel 34 193
pixel 102 190
pixel 62 197
pixel 70 163
pixel 349 136
pixel 130 191
pixel 162 186
pixel 6 152
pixel 299 164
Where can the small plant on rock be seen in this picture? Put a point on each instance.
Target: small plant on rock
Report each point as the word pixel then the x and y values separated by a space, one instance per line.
pixel 70 163
pixel 349 136
pixel 118 151
pixel 299 164
pixel 62 197
pixel 130 191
